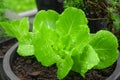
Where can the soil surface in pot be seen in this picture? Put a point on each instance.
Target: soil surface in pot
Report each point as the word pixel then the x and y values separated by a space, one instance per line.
pixel 27 68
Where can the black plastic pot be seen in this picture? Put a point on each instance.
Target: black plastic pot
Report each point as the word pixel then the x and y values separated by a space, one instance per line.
pixel 3 43
pixel 1 68
pixel 56 5
pixel 8 58
pixel 96 25
pixel 11 55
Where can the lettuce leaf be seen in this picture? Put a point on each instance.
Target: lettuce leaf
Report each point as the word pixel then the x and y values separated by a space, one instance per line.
pixel 64 66
pixel 106 46
pixel 45 37
pixel 46 19
pixel 43 46
pixel 86 61
pixel 20 30
pixel 70 22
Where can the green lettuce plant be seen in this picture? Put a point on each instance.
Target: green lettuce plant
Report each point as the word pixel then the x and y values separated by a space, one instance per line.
pixel 65 40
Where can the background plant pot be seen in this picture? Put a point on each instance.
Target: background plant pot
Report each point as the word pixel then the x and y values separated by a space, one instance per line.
pixel 4 46
pixel 11 55
pixel 8 58
pixel 1 68
pixel 96 25
pixel 56 5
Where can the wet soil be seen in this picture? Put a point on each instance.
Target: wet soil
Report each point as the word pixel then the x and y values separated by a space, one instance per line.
pixel 27 68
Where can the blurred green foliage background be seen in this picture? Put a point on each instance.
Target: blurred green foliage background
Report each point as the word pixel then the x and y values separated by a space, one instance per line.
pixel 15 6
pixel 20 5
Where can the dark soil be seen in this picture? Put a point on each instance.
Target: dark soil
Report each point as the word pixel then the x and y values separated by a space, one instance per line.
pixel 27 68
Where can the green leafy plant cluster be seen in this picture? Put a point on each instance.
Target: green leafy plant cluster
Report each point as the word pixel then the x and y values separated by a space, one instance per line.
pixel 65 40
pixel 81 4
pixel 74 3
pixel 2 18
pixel 20 6
pixel 2 10
pixel 114 13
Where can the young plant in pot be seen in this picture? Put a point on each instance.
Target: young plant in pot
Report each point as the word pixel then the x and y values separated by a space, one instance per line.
pixel 63 40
